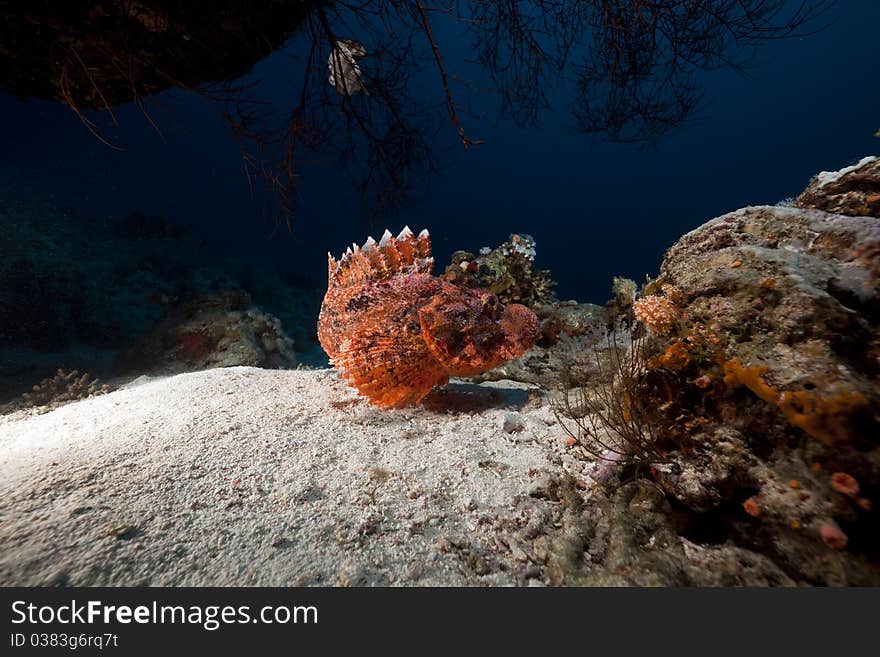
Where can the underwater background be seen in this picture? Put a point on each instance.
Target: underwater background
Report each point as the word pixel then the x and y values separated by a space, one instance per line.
pixel 649 354
pixel 117 210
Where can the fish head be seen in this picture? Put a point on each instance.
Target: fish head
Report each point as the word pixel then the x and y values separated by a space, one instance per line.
pixel 470 331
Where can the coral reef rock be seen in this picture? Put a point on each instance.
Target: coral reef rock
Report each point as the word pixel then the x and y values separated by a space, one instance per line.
pixel 762 360
pixel 215 330
pixel 772 369
pixel 853 191
pixel 639 539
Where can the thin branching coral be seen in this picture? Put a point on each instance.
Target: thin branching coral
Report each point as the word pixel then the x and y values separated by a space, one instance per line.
pixel 614 420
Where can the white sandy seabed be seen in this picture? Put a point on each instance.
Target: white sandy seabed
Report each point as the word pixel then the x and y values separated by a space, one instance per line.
pixel 243 476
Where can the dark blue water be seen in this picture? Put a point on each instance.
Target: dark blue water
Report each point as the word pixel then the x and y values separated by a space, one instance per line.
pixel 596 208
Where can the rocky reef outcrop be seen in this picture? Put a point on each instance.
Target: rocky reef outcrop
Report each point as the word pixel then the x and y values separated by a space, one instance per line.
pixel 758 375
pixel 214 330
pixel 762 347
pixel 76 291
pixel 853 191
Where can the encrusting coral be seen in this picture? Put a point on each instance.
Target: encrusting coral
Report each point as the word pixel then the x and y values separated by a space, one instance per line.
pixel 826 417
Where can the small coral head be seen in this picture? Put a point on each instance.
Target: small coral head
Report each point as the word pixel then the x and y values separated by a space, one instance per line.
pixel 471 332
pixel 660 314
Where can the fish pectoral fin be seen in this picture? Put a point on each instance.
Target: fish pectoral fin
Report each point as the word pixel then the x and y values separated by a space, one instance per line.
pixel 390 370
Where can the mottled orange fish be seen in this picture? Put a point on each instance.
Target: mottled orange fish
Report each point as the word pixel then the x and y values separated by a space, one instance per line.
pixel 394 331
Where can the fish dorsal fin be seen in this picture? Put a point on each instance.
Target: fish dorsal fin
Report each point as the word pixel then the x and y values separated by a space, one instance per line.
pixel 376 261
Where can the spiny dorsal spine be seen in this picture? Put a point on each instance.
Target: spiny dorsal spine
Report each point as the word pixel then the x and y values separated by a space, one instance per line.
pixel 404 254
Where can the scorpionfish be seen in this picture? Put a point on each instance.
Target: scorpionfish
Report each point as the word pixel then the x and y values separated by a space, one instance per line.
pixel 394 331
